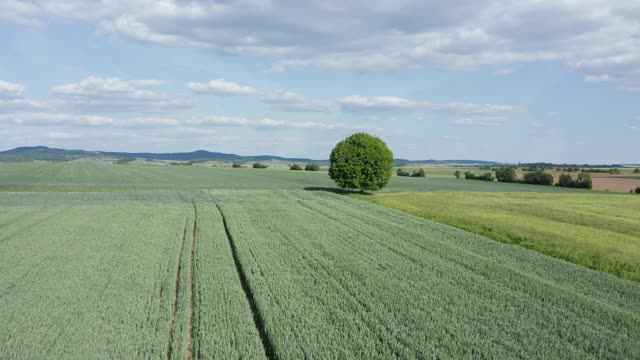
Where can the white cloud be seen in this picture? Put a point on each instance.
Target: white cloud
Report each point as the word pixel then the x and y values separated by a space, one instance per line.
pixel 117 95
pixel 280 100
pixel 20 12
pixel 289 101
pixel 52 119
pixel 63 135
pixel 271 123
pixel 468 108
pixel 222 87
pixel 504 72
pixel 378 103
pixel 11 99
pixel 480 122
pixel 362 104
pixel 593 36
pixel 12 105
pixel 10 90
pixel 197 131
pixel 597 78
pixel 148 122
pixel 130 26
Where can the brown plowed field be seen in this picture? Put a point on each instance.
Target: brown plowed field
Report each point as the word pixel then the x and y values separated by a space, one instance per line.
pixel 615 184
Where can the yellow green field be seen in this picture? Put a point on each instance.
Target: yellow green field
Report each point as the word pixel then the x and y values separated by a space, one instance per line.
pixel 600 232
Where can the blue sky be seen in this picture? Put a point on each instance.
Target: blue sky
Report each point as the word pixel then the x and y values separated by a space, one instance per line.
pixel 551 81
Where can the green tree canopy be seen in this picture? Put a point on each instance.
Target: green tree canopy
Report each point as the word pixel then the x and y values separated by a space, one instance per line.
pixel 584 181
pixel 538 178
pixel 506 174
pixel 361 162
pixel 565 180
pixel 312 167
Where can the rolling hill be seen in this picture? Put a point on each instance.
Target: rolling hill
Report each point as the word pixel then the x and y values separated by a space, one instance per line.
pixel 44 153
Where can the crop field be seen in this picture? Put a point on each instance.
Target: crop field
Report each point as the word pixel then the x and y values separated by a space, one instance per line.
pixel 348 279
pixel 95 177
pixel 598 232
pixel 177 262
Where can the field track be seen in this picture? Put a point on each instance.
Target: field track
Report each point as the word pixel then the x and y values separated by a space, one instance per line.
pixel 192 284
pixel 177 293
pixel 267 343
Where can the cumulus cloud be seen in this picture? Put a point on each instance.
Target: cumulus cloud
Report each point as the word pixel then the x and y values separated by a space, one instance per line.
pixel 12 105
pixel 271 123
pixel 469 108
pixel 52 119
pixel 63 135
pixel 10 90
pixel 480 122
pixel 504 72
pixel 148 122
pixel 280 100
pixel 222 87
pixel 12 98
pixel 363 104
pixel 597 78
pixel 201 126
pixel 593 36
pixel 20 12
pixel 288 101
pixel 117 95
pixel 377 103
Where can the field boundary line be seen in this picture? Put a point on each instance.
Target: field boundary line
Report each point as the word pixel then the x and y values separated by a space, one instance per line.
pixel 267 343
pixel 174 314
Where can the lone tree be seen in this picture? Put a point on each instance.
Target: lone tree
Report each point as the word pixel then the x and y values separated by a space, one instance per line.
pixel 457 174
pixel 361 162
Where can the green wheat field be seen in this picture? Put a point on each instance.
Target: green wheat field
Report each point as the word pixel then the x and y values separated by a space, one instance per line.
pixel 173 262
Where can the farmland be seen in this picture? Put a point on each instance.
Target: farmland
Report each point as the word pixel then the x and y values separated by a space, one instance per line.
pixel 93 177
pixel 181 262
pixel 602 181
pixel 598 232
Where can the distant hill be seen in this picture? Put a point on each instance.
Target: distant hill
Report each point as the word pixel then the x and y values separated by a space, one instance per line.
pixel 44 153
pixel 201 155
